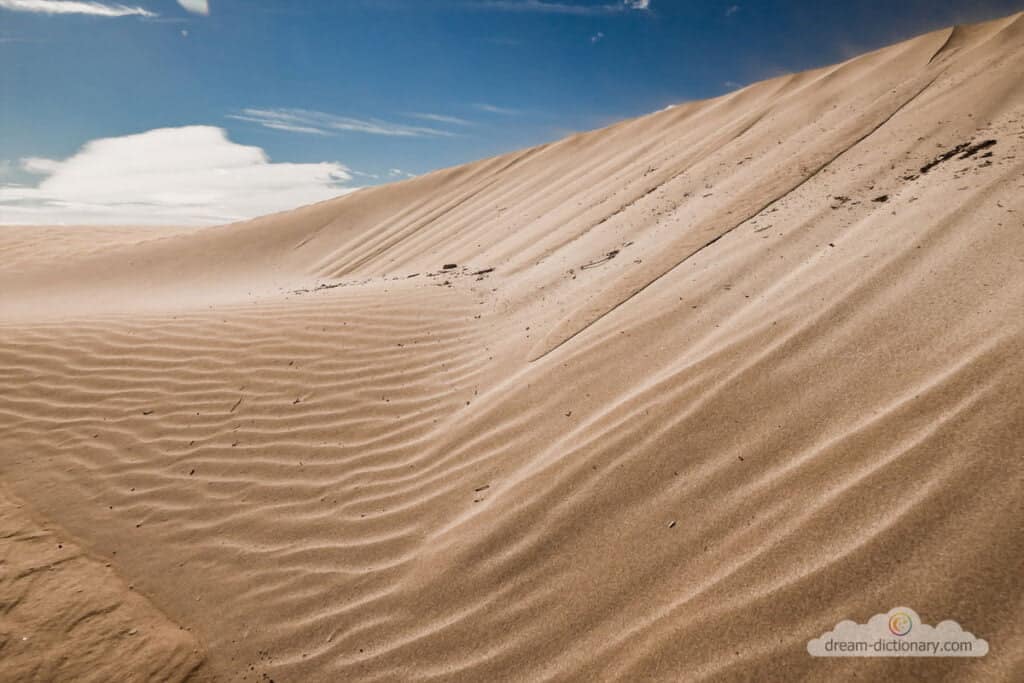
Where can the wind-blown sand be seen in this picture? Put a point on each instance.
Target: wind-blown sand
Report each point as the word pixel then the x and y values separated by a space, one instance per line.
pixel 741 370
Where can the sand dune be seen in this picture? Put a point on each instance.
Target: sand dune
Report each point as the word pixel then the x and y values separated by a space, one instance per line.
pixel 661 401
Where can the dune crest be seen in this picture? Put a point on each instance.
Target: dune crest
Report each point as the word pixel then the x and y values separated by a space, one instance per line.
pixel 661 401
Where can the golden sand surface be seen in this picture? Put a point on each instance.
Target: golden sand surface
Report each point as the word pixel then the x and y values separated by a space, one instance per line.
pixel 662 401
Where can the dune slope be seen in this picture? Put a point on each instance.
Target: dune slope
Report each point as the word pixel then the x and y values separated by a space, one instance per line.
pixel 661 401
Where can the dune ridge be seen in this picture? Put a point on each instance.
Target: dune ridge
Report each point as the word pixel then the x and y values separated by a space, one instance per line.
pixel 661 401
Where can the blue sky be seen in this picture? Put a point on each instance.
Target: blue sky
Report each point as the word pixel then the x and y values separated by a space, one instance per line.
pixel 378 88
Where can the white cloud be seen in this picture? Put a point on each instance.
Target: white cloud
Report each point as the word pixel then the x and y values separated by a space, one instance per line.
pixel 188 175
pixel 597 37
pixel 98 9
pixel 731 10
pixel 494 109
pixel 320 123
pixel 561 7
pixel 39 166
pixel 196 6
pixel 441 118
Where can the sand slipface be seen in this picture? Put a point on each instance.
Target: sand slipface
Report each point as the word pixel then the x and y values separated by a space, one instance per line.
pixel 697 388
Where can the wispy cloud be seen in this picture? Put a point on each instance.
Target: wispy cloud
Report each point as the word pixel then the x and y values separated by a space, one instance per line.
pixel 494 109
pixel 731 10
pixel 39 165
pixel 277 121
pixel 320 123
pixel 97 9
pixel 189 175
pixel 597 37
pixel 196 6
pixel 441 118
pixel 563 7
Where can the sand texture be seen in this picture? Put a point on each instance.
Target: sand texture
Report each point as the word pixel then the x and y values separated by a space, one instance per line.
pixel 694 388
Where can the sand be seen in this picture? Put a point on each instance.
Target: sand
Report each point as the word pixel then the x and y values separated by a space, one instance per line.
pixel 694 388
